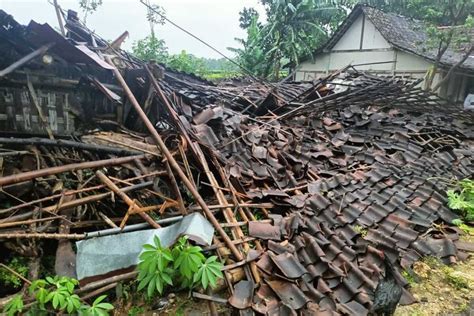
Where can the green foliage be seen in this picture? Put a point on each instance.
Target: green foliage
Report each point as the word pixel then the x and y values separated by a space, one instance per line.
pixel 98 308
pixel 136 310
pixel 187 63
pixel 461 199
pixel 57 293
pixel 161 266
pixel 15 306
pixel 361 230
pixel 89 6
pixel 455 280
pixel 187 258
pixel 294 28
pixel 459 223
pixel 252 56
pixel 151 48
pixel 19 265
pixel 409 277
pixel 154 268
pixel 247 16
pixel 209 272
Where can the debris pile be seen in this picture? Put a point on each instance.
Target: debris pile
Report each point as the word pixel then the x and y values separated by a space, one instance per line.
pixel 308 186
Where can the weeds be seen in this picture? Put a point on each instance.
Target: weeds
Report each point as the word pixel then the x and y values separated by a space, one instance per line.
pixel 56 295
pixel 361 230
pixel 456 281
pixel 409 277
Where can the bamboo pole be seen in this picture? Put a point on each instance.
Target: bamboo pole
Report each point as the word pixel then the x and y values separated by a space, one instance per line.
pixel 68 144
pixel 25 176
pixel 58 15
pixel 174 186
pixel 42 236
pixel 104 282
pixel 132 204
pixel 162 146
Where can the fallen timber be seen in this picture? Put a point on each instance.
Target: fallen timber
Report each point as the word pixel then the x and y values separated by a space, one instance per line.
pixel 305 183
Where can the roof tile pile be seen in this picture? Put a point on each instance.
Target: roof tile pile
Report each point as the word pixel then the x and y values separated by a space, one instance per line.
pixel 364 177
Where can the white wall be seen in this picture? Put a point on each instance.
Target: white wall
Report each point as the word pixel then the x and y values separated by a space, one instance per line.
pixel 351 38
pixel 372 38
pixel 329 62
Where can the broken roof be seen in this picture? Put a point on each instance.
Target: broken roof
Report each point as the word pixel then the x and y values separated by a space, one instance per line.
pixel 342 170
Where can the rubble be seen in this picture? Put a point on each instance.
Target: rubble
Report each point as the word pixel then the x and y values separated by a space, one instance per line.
pixel 305 184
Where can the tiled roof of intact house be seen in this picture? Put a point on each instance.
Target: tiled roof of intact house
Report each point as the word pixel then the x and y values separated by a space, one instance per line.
pixel 403 33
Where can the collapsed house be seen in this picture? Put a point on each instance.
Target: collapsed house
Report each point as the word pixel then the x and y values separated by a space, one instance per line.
pixel 303 186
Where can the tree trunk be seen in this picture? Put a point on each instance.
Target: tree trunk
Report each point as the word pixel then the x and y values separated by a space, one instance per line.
pixel 453 68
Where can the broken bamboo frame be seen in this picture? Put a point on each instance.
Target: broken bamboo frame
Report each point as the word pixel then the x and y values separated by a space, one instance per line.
pixel 173 163
pixel 71 192
pixel 29 175
pixel 227 211
pixel 132 204
pixel 77 202
pixel 101 283
pixel 34 98
pixel 68 144
pixel 58 15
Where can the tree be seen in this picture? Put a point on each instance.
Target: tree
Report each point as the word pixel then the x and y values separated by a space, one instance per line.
pixel 294 29
pixel 151 48
pixel 247 15
pixel 252 54
pixel 89 7
pixel 187 63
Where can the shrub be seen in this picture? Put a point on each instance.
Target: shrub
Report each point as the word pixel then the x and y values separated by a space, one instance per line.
pixel 184 264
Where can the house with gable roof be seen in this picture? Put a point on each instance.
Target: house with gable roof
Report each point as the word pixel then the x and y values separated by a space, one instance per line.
pixel 387 43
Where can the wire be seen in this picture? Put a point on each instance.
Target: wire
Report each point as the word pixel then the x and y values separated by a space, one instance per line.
pixel 248 72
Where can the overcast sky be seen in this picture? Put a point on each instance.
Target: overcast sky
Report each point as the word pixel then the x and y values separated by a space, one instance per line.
pixel 215 21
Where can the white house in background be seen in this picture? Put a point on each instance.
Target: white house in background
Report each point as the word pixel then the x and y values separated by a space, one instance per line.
pixel 386 43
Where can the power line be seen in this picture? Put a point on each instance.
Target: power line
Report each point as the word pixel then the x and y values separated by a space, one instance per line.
pixel 248 72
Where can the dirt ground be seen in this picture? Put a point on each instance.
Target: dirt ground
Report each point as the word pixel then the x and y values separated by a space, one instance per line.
pixel 442 290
